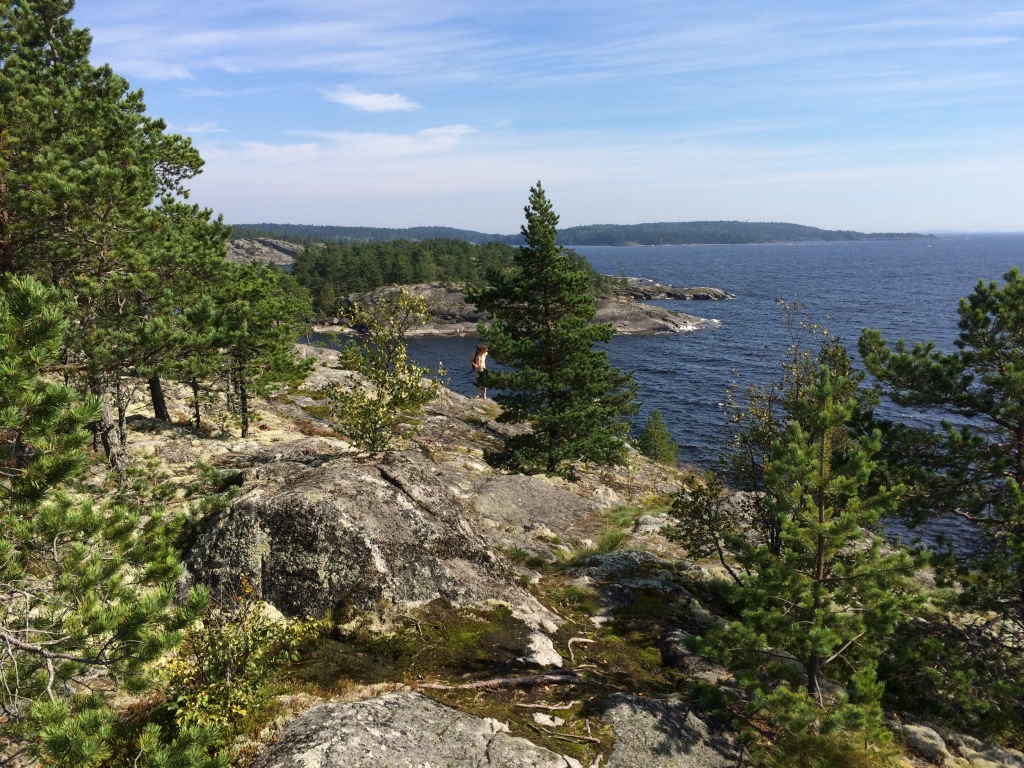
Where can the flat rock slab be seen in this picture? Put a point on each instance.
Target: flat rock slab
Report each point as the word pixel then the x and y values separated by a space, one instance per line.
pixel 628 318
pixel 401 730
pixel 523 502
pixel 665 734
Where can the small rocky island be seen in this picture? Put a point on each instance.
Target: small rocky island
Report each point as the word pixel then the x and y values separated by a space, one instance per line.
pixel 643 289
pixel 451 315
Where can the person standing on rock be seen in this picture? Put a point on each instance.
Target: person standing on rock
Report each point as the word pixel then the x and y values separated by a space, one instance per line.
pixel 479 363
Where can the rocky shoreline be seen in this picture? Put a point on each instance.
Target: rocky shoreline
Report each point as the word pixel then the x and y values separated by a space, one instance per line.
pixel 643 289
pixel 452 316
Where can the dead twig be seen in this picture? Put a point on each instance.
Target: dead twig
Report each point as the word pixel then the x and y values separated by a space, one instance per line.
pixel 551 707
pixel 572 640
pixel 568 676
pixel 565 737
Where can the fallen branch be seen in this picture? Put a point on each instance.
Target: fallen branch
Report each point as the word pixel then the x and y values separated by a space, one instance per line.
pixel 568 676
pixel 565 737
pixel 551 707
pixel 572 640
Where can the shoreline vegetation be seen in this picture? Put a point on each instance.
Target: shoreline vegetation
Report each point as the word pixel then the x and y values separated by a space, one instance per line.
pixel 657 233
pixel 450 314
pixel 441 272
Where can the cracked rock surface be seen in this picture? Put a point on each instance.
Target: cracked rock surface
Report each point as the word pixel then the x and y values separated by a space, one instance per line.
pixel 665 734
pixel 402 730
pixel 325 534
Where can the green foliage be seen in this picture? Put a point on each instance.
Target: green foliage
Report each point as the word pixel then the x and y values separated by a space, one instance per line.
pixel 380 357
pixel 225 670
pixel 89 587
pixel 82 165
pixel 809 576
pixel 332 271
pixel 40 422
pixel 655 442
pixel 258 319
pixel 830 594
pixel 847 737
pixel 611 539
pixel 949 672
pixel 973 470
pixel 707 524
pixel 575 403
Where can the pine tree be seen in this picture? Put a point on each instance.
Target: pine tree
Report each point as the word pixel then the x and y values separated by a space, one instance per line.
pixel 972 471
pixel 258 320
pixel 81 165
pixel 830 595
pixel 88 587
pixel 575 403
pixel 810 577
pixel 655 442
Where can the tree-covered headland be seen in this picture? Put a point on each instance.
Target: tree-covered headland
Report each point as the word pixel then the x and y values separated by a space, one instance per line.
pixel 334 272
pixel 656 233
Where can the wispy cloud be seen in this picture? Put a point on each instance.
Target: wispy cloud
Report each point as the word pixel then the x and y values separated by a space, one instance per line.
pixel 370 102
pixel 459 177
pixel 204 128
pixel 393 145
pixel 725 109
pixel 222 93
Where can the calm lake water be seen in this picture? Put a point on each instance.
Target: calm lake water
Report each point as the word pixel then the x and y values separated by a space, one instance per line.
pixel 907 289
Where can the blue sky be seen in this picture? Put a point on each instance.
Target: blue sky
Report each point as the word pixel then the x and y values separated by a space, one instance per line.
pixel 875 116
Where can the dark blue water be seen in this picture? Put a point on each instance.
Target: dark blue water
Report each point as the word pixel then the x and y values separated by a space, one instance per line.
pixel 906 289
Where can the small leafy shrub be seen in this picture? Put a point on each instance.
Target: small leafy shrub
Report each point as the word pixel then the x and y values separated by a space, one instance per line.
pixel 225 670
pixel 370 416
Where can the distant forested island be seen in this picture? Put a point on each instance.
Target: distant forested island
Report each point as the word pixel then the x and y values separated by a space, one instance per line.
pixel 661 233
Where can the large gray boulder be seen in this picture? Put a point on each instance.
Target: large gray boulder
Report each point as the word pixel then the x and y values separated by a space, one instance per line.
pixel 314 536
pixel 402 730
pixel 665 734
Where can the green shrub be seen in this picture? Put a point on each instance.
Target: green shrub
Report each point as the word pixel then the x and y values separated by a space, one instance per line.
pixel 225 670
pixel 369 416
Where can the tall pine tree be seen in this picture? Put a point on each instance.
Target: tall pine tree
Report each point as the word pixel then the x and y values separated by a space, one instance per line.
pixel 576 404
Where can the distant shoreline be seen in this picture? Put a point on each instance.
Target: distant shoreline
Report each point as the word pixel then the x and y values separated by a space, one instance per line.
pixel 629 235
pixel 772 242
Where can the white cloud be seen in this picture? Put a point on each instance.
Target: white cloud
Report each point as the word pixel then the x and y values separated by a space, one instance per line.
pixel 370 102
pixel 454 176
pixel 208 126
